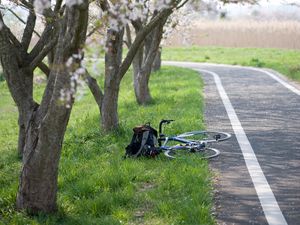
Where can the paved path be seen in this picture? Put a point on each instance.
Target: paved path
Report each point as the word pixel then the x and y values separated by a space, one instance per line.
pixel 258 172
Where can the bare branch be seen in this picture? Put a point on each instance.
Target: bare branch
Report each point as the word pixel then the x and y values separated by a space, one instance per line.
pixel 43 53
pixel 9 34
pixel 19 18
pixel 44 68
pixel 28 31
pixel 12 12
pixel 182 4
pixel 95 89
pixel 128 36
pixel 47 35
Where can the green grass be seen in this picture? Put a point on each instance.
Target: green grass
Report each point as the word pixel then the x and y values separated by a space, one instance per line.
pixel 286 62
pixel 95 185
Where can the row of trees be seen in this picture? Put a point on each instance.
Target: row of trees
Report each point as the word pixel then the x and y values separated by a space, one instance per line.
pixel 62 41
pixel 42 126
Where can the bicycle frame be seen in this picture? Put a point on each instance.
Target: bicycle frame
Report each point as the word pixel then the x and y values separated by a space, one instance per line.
pixel 163 139
pixel 183 144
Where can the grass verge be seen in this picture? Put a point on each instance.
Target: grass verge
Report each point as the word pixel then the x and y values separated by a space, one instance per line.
pixel 284 61
pixel 96 186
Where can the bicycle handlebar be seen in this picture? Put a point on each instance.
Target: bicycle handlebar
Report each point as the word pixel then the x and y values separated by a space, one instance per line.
pixel 163 122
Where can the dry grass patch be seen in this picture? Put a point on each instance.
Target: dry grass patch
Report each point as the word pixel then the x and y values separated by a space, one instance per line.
pixel 243 33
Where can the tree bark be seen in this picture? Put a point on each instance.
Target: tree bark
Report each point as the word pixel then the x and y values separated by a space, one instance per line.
pixel 95 89
pixel 113 60
pixel 47 124
pixel 157 61
pixel 19 79
pixel 143 64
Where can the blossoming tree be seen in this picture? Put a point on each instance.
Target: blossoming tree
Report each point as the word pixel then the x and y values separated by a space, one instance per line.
pixel 120 14
pixel 42 126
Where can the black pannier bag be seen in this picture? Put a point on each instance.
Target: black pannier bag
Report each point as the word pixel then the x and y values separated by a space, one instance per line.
pixel 143 142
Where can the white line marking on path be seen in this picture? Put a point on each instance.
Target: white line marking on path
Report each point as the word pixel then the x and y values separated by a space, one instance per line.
pixel 272 75
pixel 285 84
pixel 266 197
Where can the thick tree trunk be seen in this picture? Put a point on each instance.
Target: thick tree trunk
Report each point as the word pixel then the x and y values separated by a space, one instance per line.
pixel 47 123
pixel 38 181
pixel 113 60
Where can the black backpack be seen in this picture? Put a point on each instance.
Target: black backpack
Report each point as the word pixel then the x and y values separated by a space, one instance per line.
pixel 143 142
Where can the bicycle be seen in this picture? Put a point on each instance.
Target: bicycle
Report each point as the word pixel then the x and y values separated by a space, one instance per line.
pixel 194 142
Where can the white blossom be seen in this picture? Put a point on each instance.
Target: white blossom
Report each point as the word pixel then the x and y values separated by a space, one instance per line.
pixel 114 24
pixel 76 86
pixel 80 71
pixel 41 5
pixel 69 62
pixel 122 13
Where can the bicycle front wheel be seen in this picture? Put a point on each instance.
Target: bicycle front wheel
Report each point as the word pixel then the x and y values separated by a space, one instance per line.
pixel 207 136
pixel 182 153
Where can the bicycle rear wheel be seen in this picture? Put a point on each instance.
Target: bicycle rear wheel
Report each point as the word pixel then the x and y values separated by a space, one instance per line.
pixel 203 153
pixel 207 136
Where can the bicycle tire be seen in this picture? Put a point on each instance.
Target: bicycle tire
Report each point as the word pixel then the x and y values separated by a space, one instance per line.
pixel 205 153
pixel 207 136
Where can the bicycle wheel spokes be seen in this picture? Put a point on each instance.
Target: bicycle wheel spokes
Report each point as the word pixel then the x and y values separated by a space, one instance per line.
pixel 204 153
pixel 207 136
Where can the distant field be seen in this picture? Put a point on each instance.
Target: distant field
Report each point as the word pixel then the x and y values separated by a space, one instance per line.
pixel 284 61
pixel 258 34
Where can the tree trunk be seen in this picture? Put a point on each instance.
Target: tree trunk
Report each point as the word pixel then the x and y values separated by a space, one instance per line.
pixel 113 60
pixel 137 67
pixel 38 181
pixel 47 123
pixel 20 83
pixel 109 109
pixel 157 61
pixel 142 73
pixel 21 137
pixel 142 91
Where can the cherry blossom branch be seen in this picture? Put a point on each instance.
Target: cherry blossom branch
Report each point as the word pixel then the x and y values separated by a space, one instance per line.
pixel 140 36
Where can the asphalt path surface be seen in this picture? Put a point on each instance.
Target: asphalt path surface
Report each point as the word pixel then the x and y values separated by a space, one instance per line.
pixel 258 171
